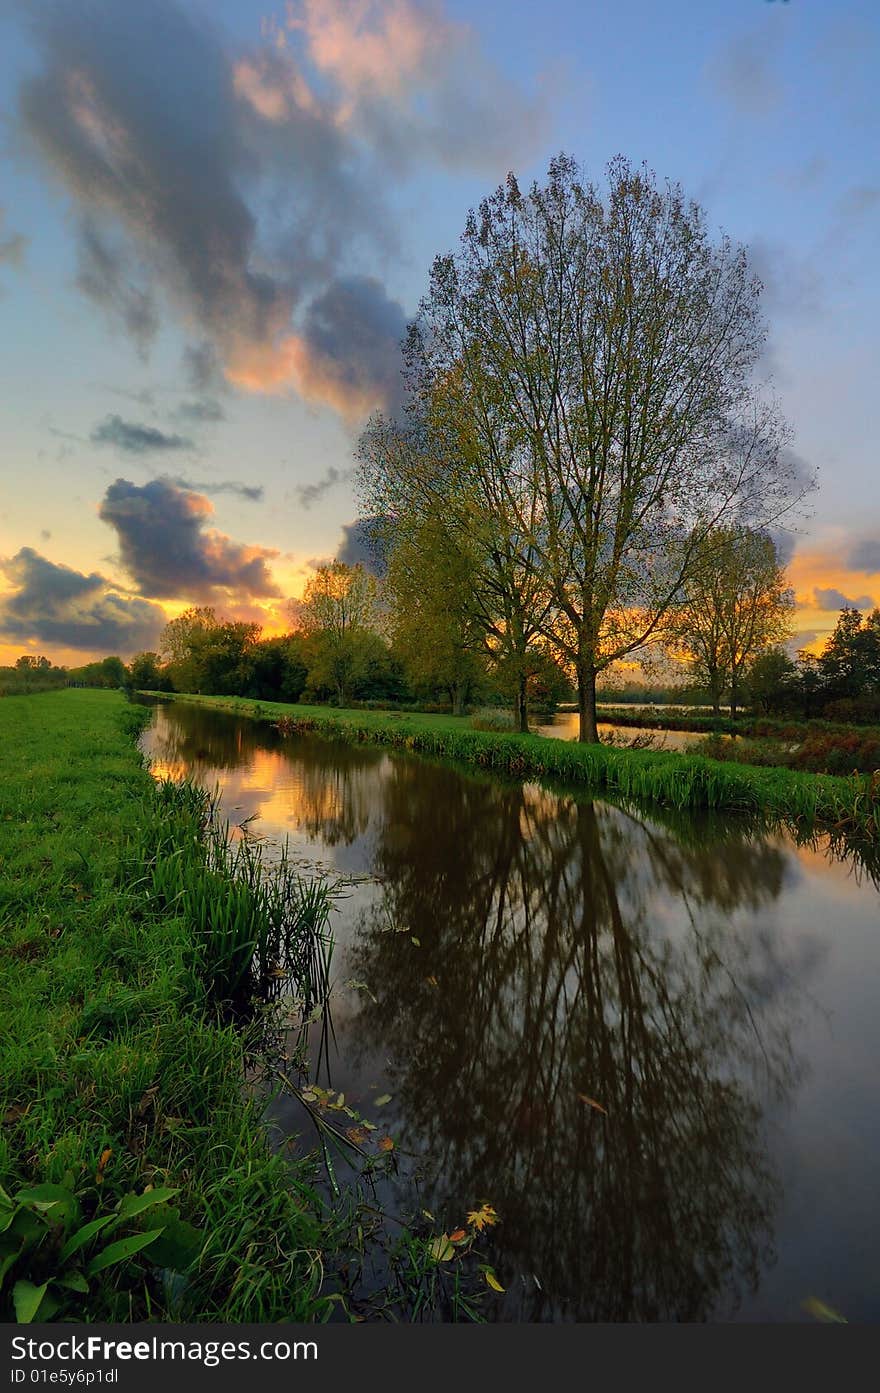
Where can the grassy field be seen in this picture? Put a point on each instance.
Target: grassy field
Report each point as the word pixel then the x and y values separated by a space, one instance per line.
pixel 676 780
pixel 137 1180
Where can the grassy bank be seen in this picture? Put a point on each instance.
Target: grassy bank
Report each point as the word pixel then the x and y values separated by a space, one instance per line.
pixel 676 780
pixel 137 1180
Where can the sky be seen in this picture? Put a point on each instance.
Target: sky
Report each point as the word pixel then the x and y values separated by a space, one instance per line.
pixel 216 219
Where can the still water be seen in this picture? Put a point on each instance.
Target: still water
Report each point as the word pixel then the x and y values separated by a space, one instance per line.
pixel 564 726
pixel 504 952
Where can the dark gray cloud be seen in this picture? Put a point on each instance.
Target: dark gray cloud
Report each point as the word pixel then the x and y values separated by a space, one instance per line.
pixel 362 544
pixel 864 556
pixel 793 285
pixel 353 332
pixel 835 599
pixel 205 411
pixel 133 439
pixel 744 72
pixel 105 275
pixel 167 162
pixel 55 604
pixel 243 189
pixel 800 640
pixel 253 493
pixel 134 111
pixel 859 201
pixel 307 495
pixel 202 368
pixel 12 246
pixel 784 542
pixel 167 548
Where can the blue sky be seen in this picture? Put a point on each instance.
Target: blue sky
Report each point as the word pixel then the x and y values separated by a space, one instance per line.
pixel 216 218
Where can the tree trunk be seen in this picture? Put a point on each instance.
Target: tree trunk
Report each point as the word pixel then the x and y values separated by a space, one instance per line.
pixel 588 730
pixel 733 701
pixel 521 708
pixel 456 692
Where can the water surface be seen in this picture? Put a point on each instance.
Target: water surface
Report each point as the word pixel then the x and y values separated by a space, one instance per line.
pixel 504 953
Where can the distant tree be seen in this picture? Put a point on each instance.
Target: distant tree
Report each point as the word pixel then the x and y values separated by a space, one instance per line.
pixel 850 662
pixel 773 682
pixel 338 612
pixel 105 672
pixel 736 603
pixel 435 631
pixel 280 668
pixel 181 645
pixel 145 673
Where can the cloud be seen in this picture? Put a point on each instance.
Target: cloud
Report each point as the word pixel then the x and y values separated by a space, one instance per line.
pixel 864 556
pixel 859 201
pixel 202 368
pixel 133 439
pixel 309 494
pixel 362 545
pixel 166 547
pixel 802 639
pixel 55 604
pixel 834 599
pixel 106 277
pixel 416 85
pixel 347 356
pixel 247 190
pixel 253 493
pixel 793 285
pixel 12 248
pixel 744 73
pixel 204 411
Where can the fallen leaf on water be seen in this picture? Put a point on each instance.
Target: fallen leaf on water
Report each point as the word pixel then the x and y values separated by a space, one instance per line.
pixel 428 1215
pixel 820 1311
pixel 431 981
pixel 416 942
pixel 382 1100
pixel 481 1218
pixel 492 1280
pixel 386 1144
pixel 457 1236
pixel 591 1103
pixel 441 1250
pixel 356 1134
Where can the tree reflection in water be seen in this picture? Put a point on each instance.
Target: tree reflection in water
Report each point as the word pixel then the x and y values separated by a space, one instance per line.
pixel 568 948
pixel 548 926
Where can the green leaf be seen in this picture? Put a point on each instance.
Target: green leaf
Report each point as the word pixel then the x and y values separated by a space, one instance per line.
pixel 81 1237
pixel 382 1100
pixel 136 1204
pixel 73 1281
pixel 26 1299
pixel 51 1197
pixel 119 1251
pixel 178 1247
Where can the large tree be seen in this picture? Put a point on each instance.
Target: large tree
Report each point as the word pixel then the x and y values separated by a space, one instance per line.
pixel 736 605
pixel 595 350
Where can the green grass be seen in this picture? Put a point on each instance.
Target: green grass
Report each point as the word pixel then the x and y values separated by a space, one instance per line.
pixel 675 780
pixel 118 1072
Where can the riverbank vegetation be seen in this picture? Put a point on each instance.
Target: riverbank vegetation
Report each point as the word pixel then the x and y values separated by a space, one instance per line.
pixel 137 1178
pixel 674 780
